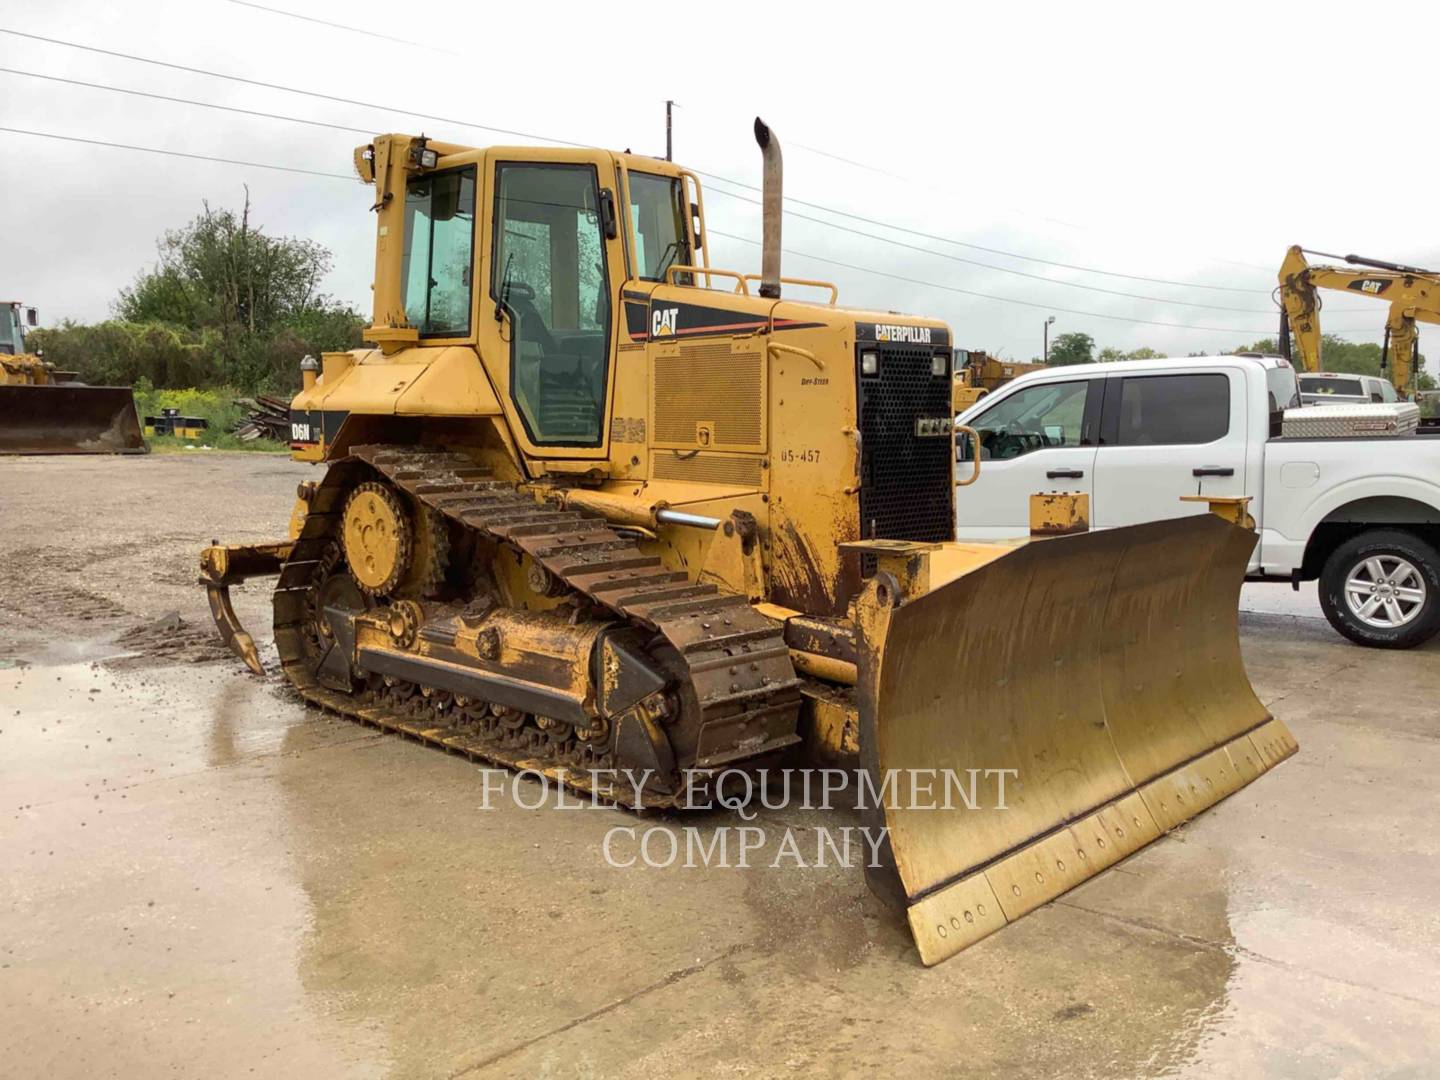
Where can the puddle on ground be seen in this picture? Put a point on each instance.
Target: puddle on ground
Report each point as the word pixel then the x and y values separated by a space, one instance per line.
pixel 153 917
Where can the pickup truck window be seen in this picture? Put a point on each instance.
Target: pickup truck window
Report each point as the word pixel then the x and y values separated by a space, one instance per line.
pixel 1036 418
pixel 1169 410
pixel 1323 384
pixel 1283 387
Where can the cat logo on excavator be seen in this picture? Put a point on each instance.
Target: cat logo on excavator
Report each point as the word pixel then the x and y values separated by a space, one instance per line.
pixel 546 544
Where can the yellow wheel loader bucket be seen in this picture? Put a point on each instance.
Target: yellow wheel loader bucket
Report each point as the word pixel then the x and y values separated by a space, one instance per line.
pixel 69 420
pixel 1062 706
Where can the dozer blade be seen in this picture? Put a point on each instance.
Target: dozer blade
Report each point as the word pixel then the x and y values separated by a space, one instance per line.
pixel 1102 669
pixel 69 420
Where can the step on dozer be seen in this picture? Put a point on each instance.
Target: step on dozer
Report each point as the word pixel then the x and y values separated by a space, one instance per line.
pixel 593 509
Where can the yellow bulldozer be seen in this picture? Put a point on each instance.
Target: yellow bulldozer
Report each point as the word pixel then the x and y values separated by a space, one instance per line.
pixel 595 508
pixel 978 373
pixel 45 411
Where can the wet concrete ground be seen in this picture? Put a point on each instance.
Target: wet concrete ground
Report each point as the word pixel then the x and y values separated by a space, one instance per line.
pixel 202 878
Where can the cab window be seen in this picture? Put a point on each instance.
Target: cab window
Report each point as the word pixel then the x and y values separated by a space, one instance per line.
pixel 1169 410
pixel 1036 418
pixel 549 278
pixel 436 264
pixel 657 209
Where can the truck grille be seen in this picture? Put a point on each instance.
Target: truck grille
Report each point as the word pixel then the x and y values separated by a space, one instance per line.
pixel 906 485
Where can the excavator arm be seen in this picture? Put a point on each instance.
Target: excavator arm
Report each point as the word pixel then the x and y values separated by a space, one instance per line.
pixel 1413 295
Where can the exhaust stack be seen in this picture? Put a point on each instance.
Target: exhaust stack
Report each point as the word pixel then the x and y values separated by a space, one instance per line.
pixel 771 201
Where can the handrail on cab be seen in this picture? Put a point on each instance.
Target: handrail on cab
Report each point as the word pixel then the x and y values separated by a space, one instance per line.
pixel 704 244
pixel 809 282
pixel 740 286
pixel 974 436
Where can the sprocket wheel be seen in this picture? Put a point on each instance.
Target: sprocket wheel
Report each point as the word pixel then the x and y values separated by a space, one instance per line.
pixel 378 538
pixel 431 559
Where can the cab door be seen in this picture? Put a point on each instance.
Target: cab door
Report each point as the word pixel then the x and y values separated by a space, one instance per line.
pixel 1168 434
pixel 1036 438
pixel 553 268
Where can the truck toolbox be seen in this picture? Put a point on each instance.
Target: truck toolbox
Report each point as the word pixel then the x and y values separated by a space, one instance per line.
pixel 1349 421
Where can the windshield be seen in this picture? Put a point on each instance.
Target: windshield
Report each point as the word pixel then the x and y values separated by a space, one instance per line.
pixel 1326 386
pixel 657 208
pixel 436 266
pixel 9 330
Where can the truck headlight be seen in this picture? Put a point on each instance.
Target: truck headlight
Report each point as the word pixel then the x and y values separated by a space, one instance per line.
pixel 939 364
pixel 869 363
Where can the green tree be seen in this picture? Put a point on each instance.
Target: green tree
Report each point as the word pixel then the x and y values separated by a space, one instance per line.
pixel 1110 352
pixel 1349 357
pixel 253 299
pixel 1072 348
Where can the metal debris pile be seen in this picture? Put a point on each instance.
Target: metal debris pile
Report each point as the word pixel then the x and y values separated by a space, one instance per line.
pixel 266 418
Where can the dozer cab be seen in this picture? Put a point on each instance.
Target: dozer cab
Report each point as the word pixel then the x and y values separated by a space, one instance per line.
pixel 595 508
pixel 45 411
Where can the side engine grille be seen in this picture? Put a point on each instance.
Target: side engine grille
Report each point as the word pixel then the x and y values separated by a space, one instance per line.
pixel 906 479
pixel 733 469
pixel 716 386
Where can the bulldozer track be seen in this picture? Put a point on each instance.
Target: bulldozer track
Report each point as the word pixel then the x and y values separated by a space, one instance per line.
pixel 735 658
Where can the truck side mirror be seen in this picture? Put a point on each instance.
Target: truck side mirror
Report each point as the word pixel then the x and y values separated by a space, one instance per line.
pixel 695 219
pixel 32 317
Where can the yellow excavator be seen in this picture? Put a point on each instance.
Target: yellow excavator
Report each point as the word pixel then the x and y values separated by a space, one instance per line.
pixel 595 508
pixel 1412 293
pixel 45 411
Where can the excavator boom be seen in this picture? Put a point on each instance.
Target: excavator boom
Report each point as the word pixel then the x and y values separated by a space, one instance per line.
pixel 1412 293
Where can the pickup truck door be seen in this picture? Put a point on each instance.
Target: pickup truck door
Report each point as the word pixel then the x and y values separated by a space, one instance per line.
pixel 1039 438
pixel 1166 435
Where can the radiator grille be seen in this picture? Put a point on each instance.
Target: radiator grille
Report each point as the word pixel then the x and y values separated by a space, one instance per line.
pixel 710 386
pixel 906 485
pixel 708 468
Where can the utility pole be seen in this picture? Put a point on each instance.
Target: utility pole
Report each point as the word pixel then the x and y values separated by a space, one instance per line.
pixel 1045 356
pixel 669 124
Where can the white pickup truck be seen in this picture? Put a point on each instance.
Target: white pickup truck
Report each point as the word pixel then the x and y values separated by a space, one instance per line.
pixel 1360 514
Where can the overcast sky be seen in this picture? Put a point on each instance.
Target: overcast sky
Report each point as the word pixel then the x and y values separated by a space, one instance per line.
pixel 1187 143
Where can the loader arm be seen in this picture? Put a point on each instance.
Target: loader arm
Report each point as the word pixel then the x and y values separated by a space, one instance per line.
pixel 1413 295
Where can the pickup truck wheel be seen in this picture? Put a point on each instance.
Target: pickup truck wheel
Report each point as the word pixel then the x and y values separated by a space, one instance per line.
pixel 1382 589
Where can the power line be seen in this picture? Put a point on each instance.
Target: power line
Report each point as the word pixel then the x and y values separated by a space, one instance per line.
pixel 721 191
pixel 566 142
pixel 988 296
pixel 1001 299
pixel 999 269
pixel 977 247
pixel 366 132
pixel 833 225
pixel 715 232
pixel 180 154
pixel 340 26
pixel 284 89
